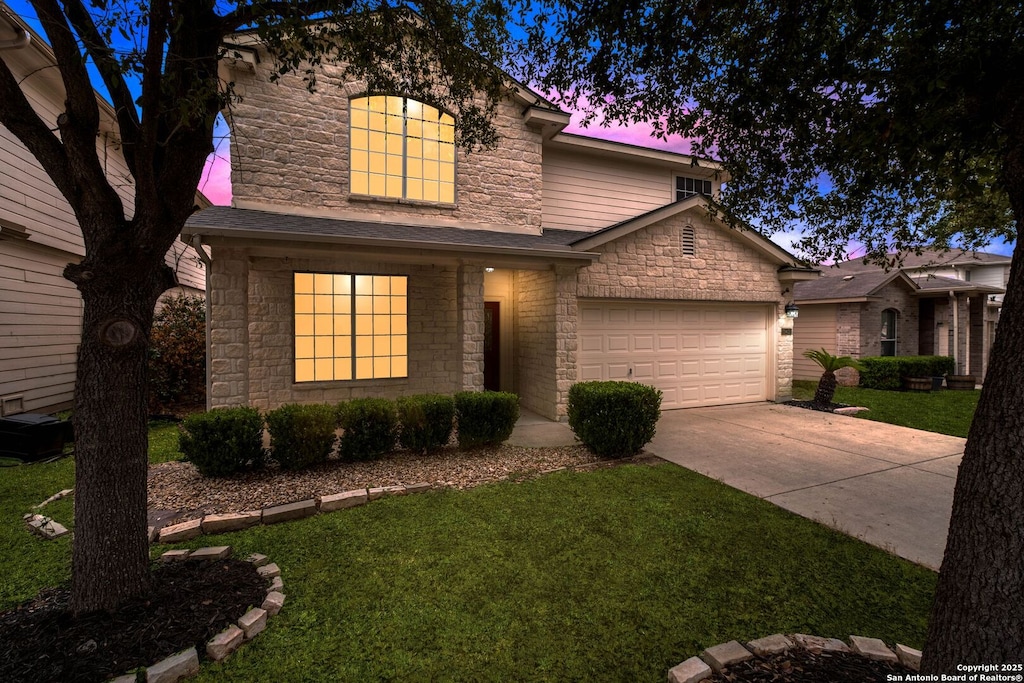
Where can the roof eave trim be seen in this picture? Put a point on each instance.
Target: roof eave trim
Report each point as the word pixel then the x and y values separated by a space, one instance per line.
pixel 274 236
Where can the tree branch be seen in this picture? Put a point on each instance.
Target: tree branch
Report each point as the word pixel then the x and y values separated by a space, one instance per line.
pixel 79 126
pixel 153 100
pixel 245 15
pixel 17 115
pixel 110 71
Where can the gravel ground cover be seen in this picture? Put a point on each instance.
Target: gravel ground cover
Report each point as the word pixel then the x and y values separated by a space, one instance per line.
pixel 178 485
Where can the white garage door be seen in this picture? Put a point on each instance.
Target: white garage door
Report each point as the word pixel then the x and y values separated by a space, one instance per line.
pixel 697 354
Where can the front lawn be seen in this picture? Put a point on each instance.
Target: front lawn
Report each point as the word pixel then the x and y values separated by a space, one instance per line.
pixel 945 412
pixel 616 574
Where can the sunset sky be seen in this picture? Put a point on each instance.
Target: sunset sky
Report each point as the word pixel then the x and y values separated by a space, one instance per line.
pixel 216 179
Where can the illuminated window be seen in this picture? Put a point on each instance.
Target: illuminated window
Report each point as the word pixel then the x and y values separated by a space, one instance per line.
pixel 350 327
pixel 402 149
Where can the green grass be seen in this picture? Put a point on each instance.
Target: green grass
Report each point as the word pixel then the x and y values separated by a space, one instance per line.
pixel 945 412
pixel 616 575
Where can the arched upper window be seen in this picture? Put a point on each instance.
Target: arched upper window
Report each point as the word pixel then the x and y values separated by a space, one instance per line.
pixel 402 149
pixel 890 331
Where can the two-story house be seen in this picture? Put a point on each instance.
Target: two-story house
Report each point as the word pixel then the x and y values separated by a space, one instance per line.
pixel 40 311
pixel 365 254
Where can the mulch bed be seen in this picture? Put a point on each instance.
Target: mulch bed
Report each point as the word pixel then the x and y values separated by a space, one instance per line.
pixel 804 666
pixel 811 405
pixel 190 602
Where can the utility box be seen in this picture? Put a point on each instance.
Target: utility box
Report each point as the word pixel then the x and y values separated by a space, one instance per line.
pixel 31 436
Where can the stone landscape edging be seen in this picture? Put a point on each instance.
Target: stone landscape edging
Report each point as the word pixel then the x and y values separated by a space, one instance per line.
pixel 186 663
pixel 238 521
pixel 715 659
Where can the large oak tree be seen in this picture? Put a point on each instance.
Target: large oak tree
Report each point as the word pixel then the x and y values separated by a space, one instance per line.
pixel 158 61
pixel 889 123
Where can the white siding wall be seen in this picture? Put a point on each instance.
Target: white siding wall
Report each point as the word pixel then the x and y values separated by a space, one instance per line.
pixel 814 329
pixel 40 322
pixel 40 311
pixel 587 192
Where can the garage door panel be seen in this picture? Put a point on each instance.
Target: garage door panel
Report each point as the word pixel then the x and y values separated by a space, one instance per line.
pixel 642 343
pixel 696 354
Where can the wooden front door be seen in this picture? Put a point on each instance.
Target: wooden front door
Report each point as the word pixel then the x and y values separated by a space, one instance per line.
pixel 492 346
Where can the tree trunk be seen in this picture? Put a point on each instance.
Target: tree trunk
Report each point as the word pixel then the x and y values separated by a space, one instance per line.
pixel 978 614
pixel 110 557
pixel 826 388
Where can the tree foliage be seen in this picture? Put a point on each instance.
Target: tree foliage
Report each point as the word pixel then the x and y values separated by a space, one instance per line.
pixel 876 122
pixel 891 123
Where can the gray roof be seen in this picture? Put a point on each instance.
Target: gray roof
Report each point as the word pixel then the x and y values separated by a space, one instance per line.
pixel 929 258
pixel 250 223
pixel 845 286
pixel 929 282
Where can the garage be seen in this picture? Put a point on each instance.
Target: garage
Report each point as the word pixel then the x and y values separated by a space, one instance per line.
pixel 697 354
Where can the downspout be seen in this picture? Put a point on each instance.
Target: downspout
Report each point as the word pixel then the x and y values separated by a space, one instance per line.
pixel 197 244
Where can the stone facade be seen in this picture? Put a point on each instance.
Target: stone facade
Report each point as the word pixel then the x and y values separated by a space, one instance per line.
pixel 648 264
pixel 252 343
pixel 291 152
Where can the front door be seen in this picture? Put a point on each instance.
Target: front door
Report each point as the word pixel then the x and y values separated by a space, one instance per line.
pixel 492 344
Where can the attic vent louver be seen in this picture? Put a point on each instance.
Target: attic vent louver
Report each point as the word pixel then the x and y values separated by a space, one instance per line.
pixel 688 241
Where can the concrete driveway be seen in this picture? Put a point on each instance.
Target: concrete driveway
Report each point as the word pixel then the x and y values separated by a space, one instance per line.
pixel 890 486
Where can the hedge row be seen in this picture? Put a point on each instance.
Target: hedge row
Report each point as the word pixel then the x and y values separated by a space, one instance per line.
pixel 228 440
pixel 886 372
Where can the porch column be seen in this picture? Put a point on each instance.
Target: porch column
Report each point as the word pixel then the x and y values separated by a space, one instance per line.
pixel 470 284
pixel 566 322
pixel 963 329
pixel 227 327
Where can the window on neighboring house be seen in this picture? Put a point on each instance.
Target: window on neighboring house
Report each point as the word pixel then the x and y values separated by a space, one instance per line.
pixel 890 322
pixel 402 149
pixel 350 326
pixel 687 187
pixel 688 241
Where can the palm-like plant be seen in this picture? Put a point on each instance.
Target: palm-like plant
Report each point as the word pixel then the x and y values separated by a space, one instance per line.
pixel 827 384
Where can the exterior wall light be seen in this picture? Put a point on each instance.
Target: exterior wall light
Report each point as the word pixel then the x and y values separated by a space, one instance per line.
pixel 489 269
pixel 792 311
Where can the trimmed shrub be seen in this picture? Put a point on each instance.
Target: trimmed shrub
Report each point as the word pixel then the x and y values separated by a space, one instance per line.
pixel 614 419
pixel 223 441
pixel 370 428
pixel 485 418
pixel 177 354
pixel 426 421
pixel 886 372
pixel 301 435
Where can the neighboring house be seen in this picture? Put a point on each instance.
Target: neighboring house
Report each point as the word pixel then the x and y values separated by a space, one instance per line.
pixel 937 303
pixel 365 254
pixel 40 311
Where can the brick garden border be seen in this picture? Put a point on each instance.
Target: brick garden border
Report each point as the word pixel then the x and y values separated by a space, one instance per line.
pixel 714 659
pixel 186 663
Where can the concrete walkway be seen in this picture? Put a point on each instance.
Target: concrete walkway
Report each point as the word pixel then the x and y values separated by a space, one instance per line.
pixel 890 486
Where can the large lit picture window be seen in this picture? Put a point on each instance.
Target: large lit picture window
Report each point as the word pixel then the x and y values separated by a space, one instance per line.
pixel 402 149
pixel 350 327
